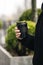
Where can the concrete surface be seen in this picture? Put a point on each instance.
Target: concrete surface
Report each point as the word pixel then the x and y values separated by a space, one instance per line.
pixel 7 59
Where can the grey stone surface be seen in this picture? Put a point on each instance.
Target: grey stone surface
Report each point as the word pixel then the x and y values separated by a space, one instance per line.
pixel 7 59
pixel 24 60
pixel 4 57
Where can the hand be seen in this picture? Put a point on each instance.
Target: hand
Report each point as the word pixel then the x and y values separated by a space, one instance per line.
pixel 18 33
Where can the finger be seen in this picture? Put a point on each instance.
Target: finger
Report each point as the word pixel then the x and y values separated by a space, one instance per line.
pixel 18 37
pixel 17 31
pixel 18 34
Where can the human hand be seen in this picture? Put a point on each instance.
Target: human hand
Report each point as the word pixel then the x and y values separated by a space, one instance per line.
pixel 18 33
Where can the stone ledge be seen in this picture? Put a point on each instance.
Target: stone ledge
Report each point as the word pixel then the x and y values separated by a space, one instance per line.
pixel 7 59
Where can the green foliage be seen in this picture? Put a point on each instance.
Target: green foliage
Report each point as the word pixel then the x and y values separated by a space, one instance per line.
pixel 31 27
pixel 1 24
pixel 27 15
pixel 12 43
pixel 38 11
pixel 10 38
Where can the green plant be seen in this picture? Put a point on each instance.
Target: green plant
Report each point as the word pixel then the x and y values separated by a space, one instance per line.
pixel 1 24
pixel 13 45
pixel 27 15
pixel 11 38
pixel 31 27
pixel 38 11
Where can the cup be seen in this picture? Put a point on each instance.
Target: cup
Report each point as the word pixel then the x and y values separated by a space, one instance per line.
pixel 22 26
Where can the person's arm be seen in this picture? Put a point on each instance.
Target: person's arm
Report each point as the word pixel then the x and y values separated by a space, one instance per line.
pixel 28 42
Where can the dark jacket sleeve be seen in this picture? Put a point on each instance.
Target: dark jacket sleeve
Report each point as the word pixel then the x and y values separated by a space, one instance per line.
pixel 28 42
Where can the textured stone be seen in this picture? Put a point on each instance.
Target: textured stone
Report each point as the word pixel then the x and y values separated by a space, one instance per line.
pixel 7 59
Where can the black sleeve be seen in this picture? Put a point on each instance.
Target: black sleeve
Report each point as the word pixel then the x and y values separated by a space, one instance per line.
pixel 28 42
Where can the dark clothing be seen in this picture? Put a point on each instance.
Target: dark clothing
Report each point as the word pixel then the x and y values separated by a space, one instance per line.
pixel 36 43
pixel 28 42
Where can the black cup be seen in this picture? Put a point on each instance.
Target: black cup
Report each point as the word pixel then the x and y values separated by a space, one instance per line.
pixel 22 26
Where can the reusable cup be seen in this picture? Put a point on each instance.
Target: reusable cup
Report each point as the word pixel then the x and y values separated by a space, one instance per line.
pixel 22 26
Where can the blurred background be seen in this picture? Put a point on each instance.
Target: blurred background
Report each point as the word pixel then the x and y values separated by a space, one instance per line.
pixel 11 10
